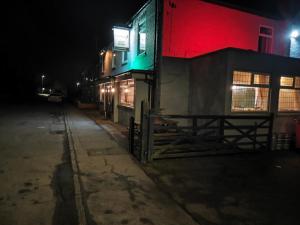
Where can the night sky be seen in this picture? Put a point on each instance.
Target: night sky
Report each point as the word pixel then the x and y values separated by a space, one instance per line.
pixel 61 37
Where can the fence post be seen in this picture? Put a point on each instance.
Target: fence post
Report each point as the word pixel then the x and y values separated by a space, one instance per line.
pixel 270 134
pixel 255 136
pixel 221 129
pixel 194 126
pixel 142 132
pixel 131 134
pixel 145 121
pixel 150 137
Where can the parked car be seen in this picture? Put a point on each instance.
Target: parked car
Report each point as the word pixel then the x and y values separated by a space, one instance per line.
pixel 55 97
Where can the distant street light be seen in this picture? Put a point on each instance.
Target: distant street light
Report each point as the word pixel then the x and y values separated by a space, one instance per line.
pixel 77 84
pixel 43 77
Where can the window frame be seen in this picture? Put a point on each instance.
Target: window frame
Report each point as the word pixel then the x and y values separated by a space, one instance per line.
pixel 141 22
pixel 293 87
pixel 123 57
pixel 131 105
pixel 253 85
pixel 268 36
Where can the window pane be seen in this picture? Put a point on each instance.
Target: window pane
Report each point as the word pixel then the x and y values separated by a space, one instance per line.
pixel 127 92
pixel 289 100
pixel 124 57
pixel 261 79
pixel 241 77
pixel 265 30
pixel 286 81
pixel 142 37
pixel 249 99
pixel 264 44
pixel 297 82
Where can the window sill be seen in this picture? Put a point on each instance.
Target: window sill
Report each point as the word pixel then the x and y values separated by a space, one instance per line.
pixel 244 113
pixel 126 107
pixel 142 54
pixel 288 113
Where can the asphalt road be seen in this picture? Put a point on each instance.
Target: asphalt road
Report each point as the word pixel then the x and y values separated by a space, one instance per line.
pixel 35 172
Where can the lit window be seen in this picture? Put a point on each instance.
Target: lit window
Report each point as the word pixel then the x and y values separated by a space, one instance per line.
pixel 286 81
pixel 248 96
pixel 126 94
pixel 241 77
pixel 265 39
pixel 289 95
pixel 142 37
pixel 261 79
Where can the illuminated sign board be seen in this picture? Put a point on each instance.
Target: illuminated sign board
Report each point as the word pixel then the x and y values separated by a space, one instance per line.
pixel 121 38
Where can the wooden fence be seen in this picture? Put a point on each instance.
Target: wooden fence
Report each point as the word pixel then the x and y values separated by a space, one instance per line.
pixel 175 136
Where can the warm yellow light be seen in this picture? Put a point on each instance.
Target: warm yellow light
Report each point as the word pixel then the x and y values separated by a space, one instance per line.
pixel 102 90
pixel 126 90
pixel 113 90
pixel 286 81
pixel 114 54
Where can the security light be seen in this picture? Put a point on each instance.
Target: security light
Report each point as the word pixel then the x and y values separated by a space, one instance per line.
pixel 295 34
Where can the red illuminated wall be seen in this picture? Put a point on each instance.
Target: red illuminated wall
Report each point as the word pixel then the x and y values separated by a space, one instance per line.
pixel 196 27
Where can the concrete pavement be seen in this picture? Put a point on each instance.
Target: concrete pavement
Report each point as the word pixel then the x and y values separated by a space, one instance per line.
pixel 245 189
pixel 115 190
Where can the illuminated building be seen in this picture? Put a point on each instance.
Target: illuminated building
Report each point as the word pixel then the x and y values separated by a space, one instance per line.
pixel 200 57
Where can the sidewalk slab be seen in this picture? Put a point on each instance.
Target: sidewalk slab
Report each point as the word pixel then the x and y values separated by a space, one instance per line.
pixel 115 189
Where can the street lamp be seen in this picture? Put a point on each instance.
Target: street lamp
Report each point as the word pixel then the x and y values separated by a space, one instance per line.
pixel 77 84
pixel 43 77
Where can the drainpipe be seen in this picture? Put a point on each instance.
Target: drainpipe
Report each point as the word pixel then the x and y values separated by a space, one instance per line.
pixel 155 104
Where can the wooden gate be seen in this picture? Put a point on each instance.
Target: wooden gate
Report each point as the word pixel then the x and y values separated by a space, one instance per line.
pixel 176 136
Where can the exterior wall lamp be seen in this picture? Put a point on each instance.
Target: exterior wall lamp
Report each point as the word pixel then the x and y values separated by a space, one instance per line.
pixel 295 34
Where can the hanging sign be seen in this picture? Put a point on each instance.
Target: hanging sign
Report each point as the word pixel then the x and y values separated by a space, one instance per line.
pixel 121 38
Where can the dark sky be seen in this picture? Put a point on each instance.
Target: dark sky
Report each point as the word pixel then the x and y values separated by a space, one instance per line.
pixel 61 37
pixel 57 37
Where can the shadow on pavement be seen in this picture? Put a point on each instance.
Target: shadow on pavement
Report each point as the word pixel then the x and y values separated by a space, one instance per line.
pixel 243 189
